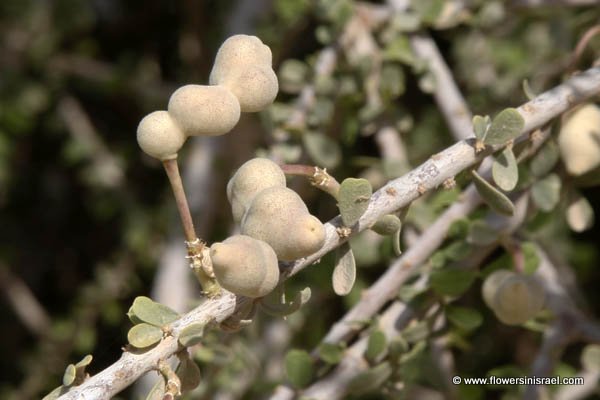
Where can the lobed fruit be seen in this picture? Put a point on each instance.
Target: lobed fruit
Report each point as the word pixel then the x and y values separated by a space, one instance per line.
pixel 204 110
pixel 250 179
pixel 278 216
pixel 245 266
pixel 244 65
pixel 579 140
pixel 514 298
pixel 159 136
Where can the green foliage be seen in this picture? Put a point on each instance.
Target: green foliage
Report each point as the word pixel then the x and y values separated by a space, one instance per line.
pixel 505 126
pixel 144 335
pixel 546 192
pixel 464 318
pixel 344 273
pixel 191 334
pixel 353 199
pixel 145 310
pixel 505 170
pixel 299 368
pixel 331 353
pixel 376 345
pixel 492 196
pixel 451 281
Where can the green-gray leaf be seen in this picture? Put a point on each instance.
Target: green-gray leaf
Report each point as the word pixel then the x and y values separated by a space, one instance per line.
pixel 322 149
pixel 481 234
pixel 331 353
pixel 492 196
pixel 69 375
pixel 151 312
pixel 505 170
pixel 370 380
pixel 451 282
pixel 344 273
pixel 545 159
pixel 192 334
pixel 505 126
pixel 376 345
pixel 464 318
pixel 387 225
pixel 354 196
pixel 480 126
pixel 546 192
pixel 85 361
pixel 144 335
pixel 274 303
pixel 531 260
pixel 299 368
pixel 188 372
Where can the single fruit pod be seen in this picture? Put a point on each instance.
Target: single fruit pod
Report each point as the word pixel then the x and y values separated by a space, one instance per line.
pixel 159 136
pixel 239 51
pixel 250 179
pixel 514 298
pixel 492 283
pixel 579 140
pixel 204 110
pixel 255 86
pixel 279 217
pixel 245 266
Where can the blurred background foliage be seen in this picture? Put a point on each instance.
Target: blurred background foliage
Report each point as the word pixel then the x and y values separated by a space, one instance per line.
pixel 85 215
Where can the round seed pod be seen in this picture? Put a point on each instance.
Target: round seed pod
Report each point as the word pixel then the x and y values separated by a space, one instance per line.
pixel 250 179
pixel 579 140
pixel 254 86
pixel 514 298
pixel 245 266
pixel 159 136
pixel 204 110
pixel 239 51
pixel 492 283
pixel 278 216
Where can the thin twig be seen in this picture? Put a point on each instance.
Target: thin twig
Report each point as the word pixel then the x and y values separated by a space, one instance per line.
pixel 395 195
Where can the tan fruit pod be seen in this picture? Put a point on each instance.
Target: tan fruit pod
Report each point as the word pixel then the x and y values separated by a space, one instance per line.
pixel 245 266
pixel 204 110
pixel 279 217
pixel 517 299
pixel 254 86
pixel 239 51
pixel 579 140
pixel 251 178
pixel 159 136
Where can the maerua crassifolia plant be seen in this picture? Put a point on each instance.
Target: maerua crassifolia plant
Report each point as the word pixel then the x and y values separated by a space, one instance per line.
pixel 275 223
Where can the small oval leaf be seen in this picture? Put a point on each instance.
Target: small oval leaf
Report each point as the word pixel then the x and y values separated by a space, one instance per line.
pixel 590 357
pixel 481 234
pixel 299 368
pixel 85 361
pixel 451 282
pixel 464 318
pixel 151 312
pixel 322 149
pixel 387 225
pixel 376 345
pixel 344 273
pixel 353 199
pixel 192 334
pixel 505 126
pixel 580 214
pixel 144 335
pixel 274 303
pixel 546 192
pixel 331 353
pixel 480 125
pixel 69 375
pixel 545 159
pixel 505 170
pixel 188 373
pixel 370 380
pixel 492 196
